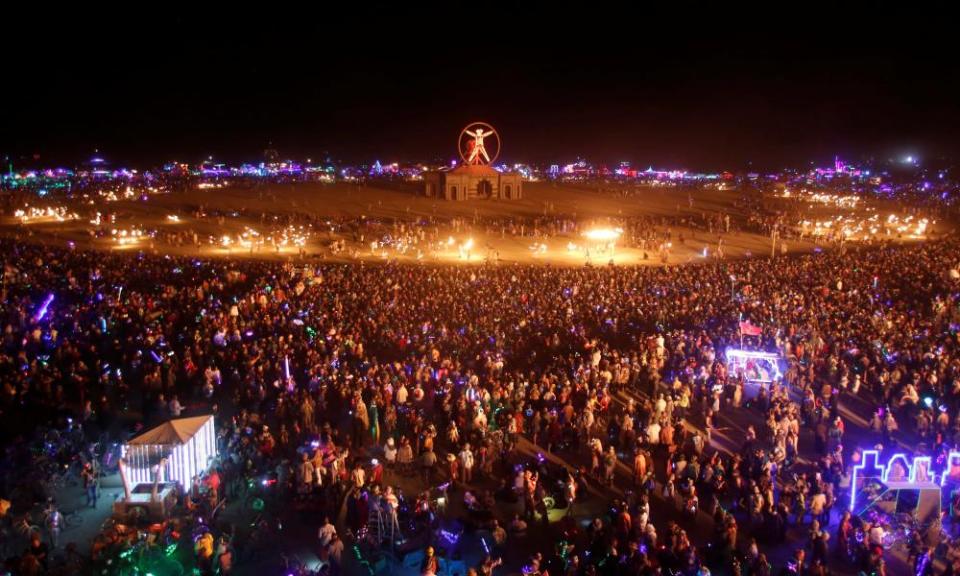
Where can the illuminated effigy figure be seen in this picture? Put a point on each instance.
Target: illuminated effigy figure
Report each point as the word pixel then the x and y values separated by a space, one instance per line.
pixel 479 144
pixel 476 146
pixel 475 178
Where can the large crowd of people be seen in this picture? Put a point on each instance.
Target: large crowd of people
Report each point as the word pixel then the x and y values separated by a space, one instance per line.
pixel 365 391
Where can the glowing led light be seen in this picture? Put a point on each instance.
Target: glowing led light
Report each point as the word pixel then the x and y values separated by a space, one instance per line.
pixel 952 470
pixel 184 460
pixel 916 474
pixel 43 308
pixel 766 365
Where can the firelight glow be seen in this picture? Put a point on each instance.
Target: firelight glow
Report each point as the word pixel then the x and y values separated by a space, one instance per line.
pixel 603 234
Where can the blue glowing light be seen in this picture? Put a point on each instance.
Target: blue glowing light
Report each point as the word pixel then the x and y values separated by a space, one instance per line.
pixel 450 536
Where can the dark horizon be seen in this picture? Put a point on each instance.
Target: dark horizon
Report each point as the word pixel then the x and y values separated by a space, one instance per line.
pixel 150 88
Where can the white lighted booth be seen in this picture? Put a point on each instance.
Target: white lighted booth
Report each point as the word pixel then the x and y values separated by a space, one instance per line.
pixel 162 460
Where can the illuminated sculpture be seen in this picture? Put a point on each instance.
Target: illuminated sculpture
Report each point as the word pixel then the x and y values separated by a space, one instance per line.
pixel 871 479
pixel 185 446
pixel 471 150
pixel 476 147
pixel 757 367
pixel 475 178
pixel 951 474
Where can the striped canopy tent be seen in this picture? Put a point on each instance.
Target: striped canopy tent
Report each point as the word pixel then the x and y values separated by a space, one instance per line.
pixel 188 445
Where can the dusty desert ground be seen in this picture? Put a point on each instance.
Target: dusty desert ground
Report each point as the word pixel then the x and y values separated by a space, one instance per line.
pixel 232 210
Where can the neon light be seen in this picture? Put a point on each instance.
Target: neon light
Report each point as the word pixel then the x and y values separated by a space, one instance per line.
pixel 473 150
pixel 450 536
pixel 191 448
pixel 953 462
pixel 173 463
pixel 899 459
pixel 868 462
pixel 742 359
pixel 43 309
pixel 921 473
pixel 184 461
pixel 917 473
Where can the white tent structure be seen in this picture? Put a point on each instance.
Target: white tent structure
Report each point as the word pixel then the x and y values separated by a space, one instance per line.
pixel 187 444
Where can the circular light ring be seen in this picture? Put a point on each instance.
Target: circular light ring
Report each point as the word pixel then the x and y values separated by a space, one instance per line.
pixel 489 131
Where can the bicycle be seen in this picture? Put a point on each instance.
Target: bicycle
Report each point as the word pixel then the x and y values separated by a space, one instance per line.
pixel 73 519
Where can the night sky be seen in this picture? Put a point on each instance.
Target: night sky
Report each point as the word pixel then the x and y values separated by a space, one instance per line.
pixel 668 90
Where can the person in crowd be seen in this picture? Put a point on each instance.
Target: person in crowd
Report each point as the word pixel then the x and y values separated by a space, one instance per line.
pixel 592 366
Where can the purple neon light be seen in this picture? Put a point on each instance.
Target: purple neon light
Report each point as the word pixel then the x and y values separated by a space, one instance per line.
pixel 870 467
pixel 43 309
